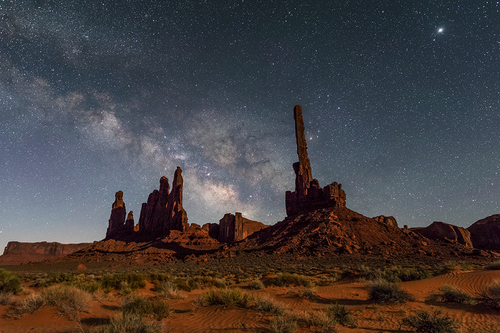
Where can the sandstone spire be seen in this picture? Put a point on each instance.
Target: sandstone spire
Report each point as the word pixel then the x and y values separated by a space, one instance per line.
pixel 117 218
pixel 308 195
pixel 303 169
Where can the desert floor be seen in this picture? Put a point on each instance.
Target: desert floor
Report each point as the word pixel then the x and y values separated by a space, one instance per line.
pixel 350 292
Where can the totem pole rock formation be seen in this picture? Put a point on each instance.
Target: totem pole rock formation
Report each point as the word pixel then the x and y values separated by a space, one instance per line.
pixel 163 211
pixel 117 226
pixel 308 195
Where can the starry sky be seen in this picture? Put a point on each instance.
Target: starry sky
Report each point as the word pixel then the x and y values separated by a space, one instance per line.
pixel 401 104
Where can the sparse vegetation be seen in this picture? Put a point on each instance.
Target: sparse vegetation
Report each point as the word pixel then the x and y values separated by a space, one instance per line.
pixel 386 292
pixel 451 294
pixel 227 297
pixel 28 305
pixel 128 323
pixel 5 298
pixel 144 306
pixel 9 282
pixel 256 285
pixel 308 293
pixel 393 274
pixel 425 322
pixel 283 324
pixel 491 297
pixel 341 315
pixel 318 320
pixel 269 305
pixel 169 290
pixel 494 266
pixel 288 279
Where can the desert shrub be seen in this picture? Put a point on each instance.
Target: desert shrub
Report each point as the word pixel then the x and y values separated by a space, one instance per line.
pixel 128 323
pixel 386 292
pixel 70 300
pixel 28 305
pixel 122 281
pixel 61 277
pixel 494 266
pixel 393 274
pixel 169 290
pixel 287 279
pixel 341 315
pixel 283 324
pixel 451 294
pixel 256 285
pixel 269 305
pixel 199 282
pixel 5 298
pixel 143 306
pixel 308 293
pixel 491 297
pixel 228 297
pixel 436 322
pixel 452 266
pixel 318 320
pixel 9 282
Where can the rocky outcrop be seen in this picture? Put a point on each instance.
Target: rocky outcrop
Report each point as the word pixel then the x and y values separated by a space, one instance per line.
pixel 446 232
pixel 485 233
pixel 17 253
pixel 163 211
pixel 233 228
pixel 388 220
pixel 308 195
pixel 118 227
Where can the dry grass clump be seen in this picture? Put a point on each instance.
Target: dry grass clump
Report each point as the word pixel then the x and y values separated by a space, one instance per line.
pixel 9 282
pixel 318 320
pixel 28 305
pixel 288 279
pixel 386 292
pixel 256 285
pixel 227 297
pixel 494 266
pixel 491 297
pixel 341 315
pixel 169 290
pixel 128 323
pixel 269 305
pixel 283 324
pixel 451 294
pixel 308 293
pixel 145 306
pixel 5 298
pixel 425 322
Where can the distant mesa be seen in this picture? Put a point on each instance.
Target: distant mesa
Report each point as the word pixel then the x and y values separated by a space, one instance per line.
pixel 446 232
pixel 485 233
pixel 17 253
pixel 308 195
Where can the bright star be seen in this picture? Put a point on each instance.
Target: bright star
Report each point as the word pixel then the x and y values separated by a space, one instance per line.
pixel 440 30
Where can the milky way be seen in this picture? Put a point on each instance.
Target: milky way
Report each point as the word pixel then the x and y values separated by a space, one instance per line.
pixel 401 104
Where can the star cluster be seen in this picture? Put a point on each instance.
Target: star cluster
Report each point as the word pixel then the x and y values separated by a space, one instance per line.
pixel 401 105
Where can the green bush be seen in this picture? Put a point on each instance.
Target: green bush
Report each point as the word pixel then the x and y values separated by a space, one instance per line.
pixel 387 292
pixel 143 306
pixel 123 281
pixel 287 279
pixel 9 282
pixel 451 294
pixel 341 315
pixel 425 322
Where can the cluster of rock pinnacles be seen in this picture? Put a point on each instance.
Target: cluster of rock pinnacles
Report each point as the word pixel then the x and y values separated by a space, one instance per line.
pixel 164 212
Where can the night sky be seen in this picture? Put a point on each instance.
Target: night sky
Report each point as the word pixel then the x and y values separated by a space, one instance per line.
pixel 401 104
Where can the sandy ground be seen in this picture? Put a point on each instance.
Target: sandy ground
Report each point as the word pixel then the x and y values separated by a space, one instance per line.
pixel 371 317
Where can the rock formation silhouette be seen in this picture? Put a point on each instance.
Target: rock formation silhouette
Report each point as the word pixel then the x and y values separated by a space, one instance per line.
pixel 117 226
pixel 163 211
pixel 485 233
pixel 446 232
pixel 308 195
pixel 233 228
